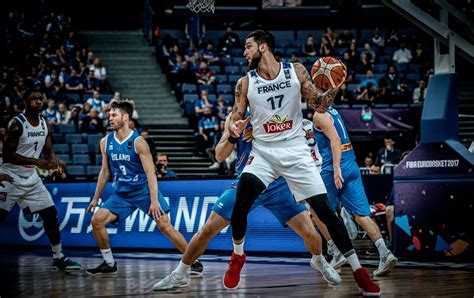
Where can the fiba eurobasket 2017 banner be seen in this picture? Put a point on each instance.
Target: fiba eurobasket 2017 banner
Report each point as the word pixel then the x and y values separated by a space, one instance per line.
pixel 190 201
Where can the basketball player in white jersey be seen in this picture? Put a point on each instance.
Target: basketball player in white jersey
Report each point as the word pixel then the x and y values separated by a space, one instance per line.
pixel 273 90
pixel 28 136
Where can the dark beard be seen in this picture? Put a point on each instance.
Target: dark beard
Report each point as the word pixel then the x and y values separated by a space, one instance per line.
pixel 255 61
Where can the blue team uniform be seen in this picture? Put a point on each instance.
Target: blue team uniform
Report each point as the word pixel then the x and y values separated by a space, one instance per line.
pixel 276 197
pixel 352 195
pixel 129 180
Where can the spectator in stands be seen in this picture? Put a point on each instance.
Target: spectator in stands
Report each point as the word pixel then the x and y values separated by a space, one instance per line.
pixel 149 140
pixel 309 48
pixel 86 108
pixel 345 38
pixel 90 59
pixel 201 104
pixel 377 39
pixel 369 53
pixel 368 93
pixel 64 114
pixel 162 170
pixel 204 75
pixel 404 93
pixel 64 74
pixel 354 56
pixel 364 64
pixel 74 119
pixel 387 155
pixel 74 82
pixel 193 48
pixel 419 55
pixel 100 74
pixel 51 78
pixel 344 96
pixel 402 55
pixel 419 94
pixel 3 135
pixel 326 48
pixel 210 55
pixel 173 63
pixel 392 80
pixel 90 83
pixel 51 115
pixel 185 74
pixel 76 60
pixel 369 78
pixel 195 28
pixel 69 45
pixel 230 40
pixel 117 97
pixel 368 161
pixel 96 102
pixel 208 127
pixel 92 124
pixel 392 39
pixel 105 116
pixel 331 36
pixel 221 108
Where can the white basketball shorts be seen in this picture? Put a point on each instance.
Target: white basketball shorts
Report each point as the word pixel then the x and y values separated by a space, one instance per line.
pixel 291 160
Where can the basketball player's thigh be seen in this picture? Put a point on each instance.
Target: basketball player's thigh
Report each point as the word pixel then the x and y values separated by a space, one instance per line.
pixel 300 173
pixel 35 197
pixel 258 164
pixel 120 206
pixel 353 195
pixel 281 203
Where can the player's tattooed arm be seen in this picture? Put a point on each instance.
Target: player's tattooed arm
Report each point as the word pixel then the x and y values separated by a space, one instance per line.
pixel 315 98
pixel 241 101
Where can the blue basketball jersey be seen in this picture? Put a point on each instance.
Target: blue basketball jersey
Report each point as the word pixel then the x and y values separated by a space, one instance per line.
pixel 324 144
pixel 125 165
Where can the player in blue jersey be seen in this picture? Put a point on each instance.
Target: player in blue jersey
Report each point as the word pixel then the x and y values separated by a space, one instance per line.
pixel 343 181
pixel 127 158
pixel 277 198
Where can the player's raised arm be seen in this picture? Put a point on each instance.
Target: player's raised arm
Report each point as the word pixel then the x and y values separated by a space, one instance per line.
pixel 311 94
pixel 241 101
pixel 143 150
pixel 324 122
pixel 104 175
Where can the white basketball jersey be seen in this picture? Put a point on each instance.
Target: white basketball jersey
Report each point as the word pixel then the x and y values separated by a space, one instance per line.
pixel 276 105
pixel 30 144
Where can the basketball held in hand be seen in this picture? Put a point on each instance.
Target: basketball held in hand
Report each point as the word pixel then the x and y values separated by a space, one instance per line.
pixel 328 73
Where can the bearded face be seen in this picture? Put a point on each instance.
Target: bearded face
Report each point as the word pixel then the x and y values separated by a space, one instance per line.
pixel 257 57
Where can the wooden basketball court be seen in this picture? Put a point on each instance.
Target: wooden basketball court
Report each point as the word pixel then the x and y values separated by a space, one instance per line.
pixel 28 273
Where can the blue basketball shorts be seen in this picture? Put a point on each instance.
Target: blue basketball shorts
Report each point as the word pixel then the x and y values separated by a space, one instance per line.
pixel 277 198
pixel 352 195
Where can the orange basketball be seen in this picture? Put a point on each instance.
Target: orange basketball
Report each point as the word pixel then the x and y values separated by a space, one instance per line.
pixel 328 73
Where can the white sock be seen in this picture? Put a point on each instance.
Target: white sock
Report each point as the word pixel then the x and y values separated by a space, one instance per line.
pixel 108 257
pixel 182 269
pixel 353 260
pixel 316 259
pixel 238 248
pixel 381 247
pixel 57 251
pixel 334 248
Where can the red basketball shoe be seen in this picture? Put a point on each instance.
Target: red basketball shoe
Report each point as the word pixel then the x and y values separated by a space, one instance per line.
pixel 366 285
pixel 232 275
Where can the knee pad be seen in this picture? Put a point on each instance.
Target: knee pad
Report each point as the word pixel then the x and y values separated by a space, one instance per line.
pixel 50 217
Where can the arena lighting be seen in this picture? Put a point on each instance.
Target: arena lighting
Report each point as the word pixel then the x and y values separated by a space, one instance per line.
pixel 366 115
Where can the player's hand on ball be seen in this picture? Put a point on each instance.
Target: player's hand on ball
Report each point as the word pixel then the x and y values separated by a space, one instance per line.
pixel 155 210
pixel 5 177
